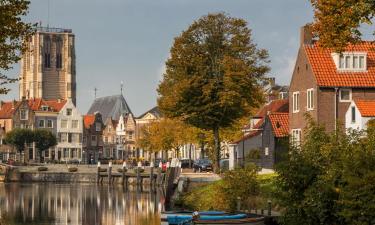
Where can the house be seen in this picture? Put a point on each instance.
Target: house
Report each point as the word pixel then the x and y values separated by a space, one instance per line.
pixel 92 141
pixel 359 113
pixel 324 83
pixel 69 134
pixel 110 139
pixel 252 141
pixel 110 107
pixel 275 139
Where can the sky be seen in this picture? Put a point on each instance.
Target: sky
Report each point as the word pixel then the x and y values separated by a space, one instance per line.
pixel 129 40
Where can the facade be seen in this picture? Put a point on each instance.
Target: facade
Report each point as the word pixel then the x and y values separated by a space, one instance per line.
pixel 274 139
pixel 48 67
pixel 92 141
pixel 110 139
pixel 257 140
pixel 324 83
pixel 69 134
pixel 359 113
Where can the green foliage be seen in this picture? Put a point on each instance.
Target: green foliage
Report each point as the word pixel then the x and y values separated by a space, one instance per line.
pixel 338 22
pixel 13 33
pixel 212 77
pixel 44 139
pixel 19 137
pixel 42 168
pixel 223 194
pixel 329 179
pixel 72 169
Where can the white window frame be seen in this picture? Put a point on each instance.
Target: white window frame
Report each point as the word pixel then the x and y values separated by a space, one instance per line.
pixel 98 127
pixel 75 127
pixel 51 124
pixel 343 66
pixel 26 114
pixel 296 133
pixel 44 123
pixel 266 151
pixel 66 122
pixel 310 99
pixel 295 104
pixel 350 95
pixel 69 111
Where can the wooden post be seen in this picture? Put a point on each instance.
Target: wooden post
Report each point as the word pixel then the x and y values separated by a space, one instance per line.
pixel 110 173
pixel 138 176
pixel 269 208
pixel 238 203
pixel 98 175
pixel 151 175
pixel 123 172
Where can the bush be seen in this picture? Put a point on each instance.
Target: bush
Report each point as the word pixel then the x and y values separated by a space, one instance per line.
pixel 103 170
pixel 120 170
pixel 72 169
pixel 42 168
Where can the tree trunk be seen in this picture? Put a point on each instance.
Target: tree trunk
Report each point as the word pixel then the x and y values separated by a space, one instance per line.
pixel 217 149
pixel 190 156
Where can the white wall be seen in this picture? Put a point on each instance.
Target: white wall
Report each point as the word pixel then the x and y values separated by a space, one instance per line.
pixel 358 124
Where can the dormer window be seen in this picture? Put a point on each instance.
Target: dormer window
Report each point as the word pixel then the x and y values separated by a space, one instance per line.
pixel 350 61
pixel 44 108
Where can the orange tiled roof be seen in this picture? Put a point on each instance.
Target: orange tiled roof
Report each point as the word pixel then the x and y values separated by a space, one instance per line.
pixel 366 107
pixel 280 124
pixel 247 136
pixel 280 105
pixel 326 73
pixel 54 105
pixel 7 109
pixel 88 120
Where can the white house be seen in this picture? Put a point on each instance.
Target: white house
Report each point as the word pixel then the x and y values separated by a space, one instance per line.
pixel 359 113
pixel 69 133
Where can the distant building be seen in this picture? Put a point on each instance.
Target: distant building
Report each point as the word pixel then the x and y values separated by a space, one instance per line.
pixel 92 138
pixel 48 69
pixel 110 107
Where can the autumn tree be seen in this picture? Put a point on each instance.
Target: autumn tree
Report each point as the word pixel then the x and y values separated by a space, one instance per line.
pixel 212 76
pixel 13 32
pixel 338 22
pixel 44 139
pixel 166 134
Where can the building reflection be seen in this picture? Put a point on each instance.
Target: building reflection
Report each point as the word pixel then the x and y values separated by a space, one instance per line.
pixel 57 204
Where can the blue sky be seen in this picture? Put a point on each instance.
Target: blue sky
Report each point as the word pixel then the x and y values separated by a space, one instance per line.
pixel 129 40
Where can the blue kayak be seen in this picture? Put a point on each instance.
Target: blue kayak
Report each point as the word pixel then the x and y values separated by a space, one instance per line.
pixel 180 219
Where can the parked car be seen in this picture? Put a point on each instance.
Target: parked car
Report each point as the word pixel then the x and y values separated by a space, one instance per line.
pixel 202 165
pixel 185 163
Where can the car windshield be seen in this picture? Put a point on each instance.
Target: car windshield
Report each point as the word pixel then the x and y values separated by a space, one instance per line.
pixel 205 161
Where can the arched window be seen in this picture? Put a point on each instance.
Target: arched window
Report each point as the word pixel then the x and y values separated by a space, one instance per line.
pixel 47 52
pixel 58 52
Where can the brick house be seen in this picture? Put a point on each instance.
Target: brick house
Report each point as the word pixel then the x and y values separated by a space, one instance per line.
pixel 92 137
pixel 324 83
pixel 110 139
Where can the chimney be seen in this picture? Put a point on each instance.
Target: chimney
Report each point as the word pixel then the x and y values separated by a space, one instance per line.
pixel 59 100
pixel 1 104
pixel 14 104
pixel 306 35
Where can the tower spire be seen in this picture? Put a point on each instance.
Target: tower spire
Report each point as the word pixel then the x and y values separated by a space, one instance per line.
pixel 95 91
pixel 122 86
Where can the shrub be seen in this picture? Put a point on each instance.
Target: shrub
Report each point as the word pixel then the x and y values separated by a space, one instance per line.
pixel 120 170
pixel 42 168
pixel 103 170
pixel 72 169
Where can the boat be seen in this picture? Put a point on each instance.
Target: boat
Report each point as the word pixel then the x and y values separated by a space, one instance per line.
pixel 210 218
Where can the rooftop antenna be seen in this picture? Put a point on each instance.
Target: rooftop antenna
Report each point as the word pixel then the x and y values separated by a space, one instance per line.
pixel 95 90
pixel 122 86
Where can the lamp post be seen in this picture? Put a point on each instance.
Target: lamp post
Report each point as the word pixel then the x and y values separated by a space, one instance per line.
pixel 243 151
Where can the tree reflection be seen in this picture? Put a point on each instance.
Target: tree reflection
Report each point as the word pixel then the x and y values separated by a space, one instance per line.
pixel 55 204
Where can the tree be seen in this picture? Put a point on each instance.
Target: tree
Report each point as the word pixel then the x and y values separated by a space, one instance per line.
pixel 19 138
pixel 338 22
pixel 165 134
pixel 212 76
pixel 44 139
pixel 13 33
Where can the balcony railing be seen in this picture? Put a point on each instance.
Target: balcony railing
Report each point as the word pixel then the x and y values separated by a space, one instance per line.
pixel 53 30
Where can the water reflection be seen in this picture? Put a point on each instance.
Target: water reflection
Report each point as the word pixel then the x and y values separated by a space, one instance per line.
pixel 77 204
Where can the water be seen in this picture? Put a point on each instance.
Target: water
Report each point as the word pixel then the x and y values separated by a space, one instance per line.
pixel 77 204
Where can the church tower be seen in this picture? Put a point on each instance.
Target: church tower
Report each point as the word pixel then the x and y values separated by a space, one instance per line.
pixel 48 68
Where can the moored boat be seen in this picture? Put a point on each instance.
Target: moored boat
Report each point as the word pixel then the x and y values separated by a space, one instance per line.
pixel 210 218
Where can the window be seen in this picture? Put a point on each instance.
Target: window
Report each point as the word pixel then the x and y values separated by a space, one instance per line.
pixel 24 114
pixel 310 99
pixel 98 126
pixel 106 139
pixel 93 138
pixel 69 137
pixel 350 61
pixel 58 53
pixel 345 95
pixel 49 124
pixel 47 52
pixel 45 108
pixel 296 137
pixel 66 152
pixel 41 123
pixel 63 137
pixel 266 151
pixel 68 112
pixel 295 102
pixel 64 124
pixel 130 135
pixel 74 124
pixel 353 114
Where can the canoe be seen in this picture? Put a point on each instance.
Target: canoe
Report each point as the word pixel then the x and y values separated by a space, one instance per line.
pixel 180 219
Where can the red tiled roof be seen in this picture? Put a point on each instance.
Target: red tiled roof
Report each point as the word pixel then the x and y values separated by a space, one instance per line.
pixel 7 109
pixel 366 107
pixel 54 105
pixel 88 120
pixel 280 105
pixel 280 124
pixel 325 71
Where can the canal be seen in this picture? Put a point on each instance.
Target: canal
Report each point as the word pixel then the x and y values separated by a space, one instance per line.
pixel 77 204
